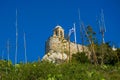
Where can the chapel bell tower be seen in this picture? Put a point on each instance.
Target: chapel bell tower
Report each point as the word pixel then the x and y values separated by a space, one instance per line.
pixel 58 32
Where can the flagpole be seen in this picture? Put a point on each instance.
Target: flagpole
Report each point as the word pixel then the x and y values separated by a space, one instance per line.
pixel 75 37
pixel 75 33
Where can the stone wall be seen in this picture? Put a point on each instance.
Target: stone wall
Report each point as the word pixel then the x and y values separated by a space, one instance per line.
pixel 62 45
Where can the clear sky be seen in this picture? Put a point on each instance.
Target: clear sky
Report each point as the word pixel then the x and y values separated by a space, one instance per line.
pixel 37 18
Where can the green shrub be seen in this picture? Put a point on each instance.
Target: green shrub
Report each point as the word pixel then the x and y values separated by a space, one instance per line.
pixel 80 58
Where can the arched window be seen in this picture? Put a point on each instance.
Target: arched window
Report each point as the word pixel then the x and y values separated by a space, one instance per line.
pixel 56 33
pixel 61 34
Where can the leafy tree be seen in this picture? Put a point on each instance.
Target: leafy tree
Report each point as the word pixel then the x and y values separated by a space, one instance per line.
pixel 91 37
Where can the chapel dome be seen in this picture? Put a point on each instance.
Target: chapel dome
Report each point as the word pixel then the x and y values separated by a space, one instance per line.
pixel 58 26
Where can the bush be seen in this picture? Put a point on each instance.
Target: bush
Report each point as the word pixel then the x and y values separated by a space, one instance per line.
pixel 80 58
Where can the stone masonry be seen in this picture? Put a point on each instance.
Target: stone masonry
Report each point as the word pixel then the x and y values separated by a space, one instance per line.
pixel 57 43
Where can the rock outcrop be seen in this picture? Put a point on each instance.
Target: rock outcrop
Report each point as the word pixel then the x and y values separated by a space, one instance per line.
pixel 55 57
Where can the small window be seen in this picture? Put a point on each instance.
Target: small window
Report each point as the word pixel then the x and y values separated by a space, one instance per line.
pixel 56 33
pixel 61 33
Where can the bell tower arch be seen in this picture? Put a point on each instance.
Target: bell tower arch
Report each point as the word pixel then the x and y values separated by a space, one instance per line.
pixel 58 32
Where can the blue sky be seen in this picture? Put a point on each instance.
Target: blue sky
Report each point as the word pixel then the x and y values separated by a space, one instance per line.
pixel 37 18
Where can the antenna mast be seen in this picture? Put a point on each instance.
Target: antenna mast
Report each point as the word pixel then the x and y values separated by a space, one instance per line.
pixel 102 31
pixel 25 48
pixel 16 50
pixel 102 26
